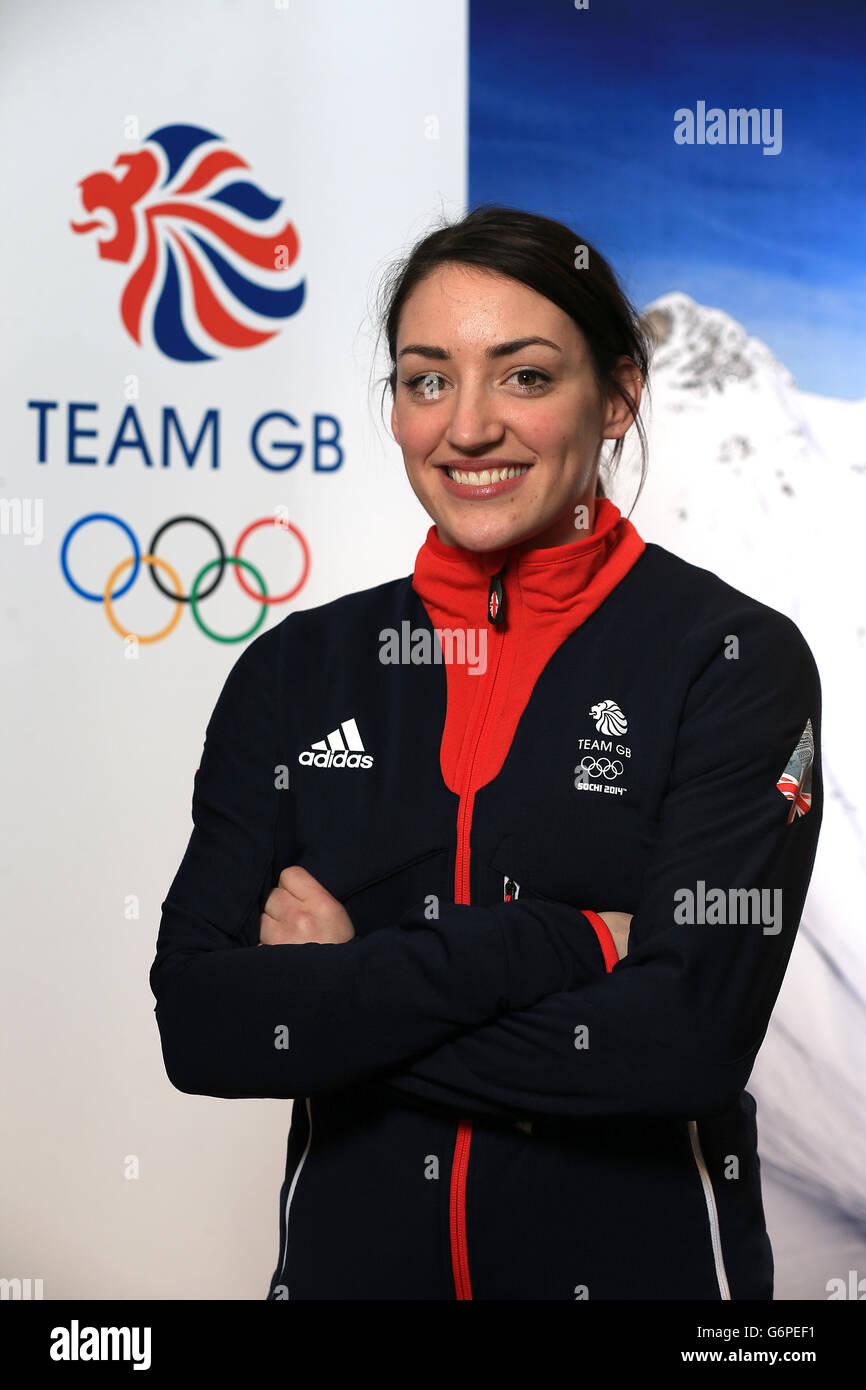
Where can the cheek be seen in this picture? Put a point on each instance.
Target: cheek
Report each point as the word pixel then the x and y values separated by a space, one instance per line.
pixel 419 433
pixel 550 433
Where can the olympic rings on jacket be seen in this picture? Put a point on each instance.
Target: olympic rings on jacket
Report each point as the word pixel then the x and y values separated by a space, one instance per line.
pixel 193 598
pixel 601 767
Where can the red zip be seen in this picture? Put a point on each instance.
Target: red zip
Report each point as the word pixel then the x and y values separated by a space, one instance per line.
pixel 468 740
pixel 460 1161
pixel 459 1247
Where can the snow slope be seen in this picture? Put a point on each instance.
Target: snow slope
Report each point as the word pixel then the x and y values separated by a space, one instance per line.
pixel 765 484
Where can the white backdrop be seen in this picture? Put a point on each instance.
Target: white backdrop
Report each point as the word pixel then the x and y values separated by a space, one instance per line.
pixel 355 117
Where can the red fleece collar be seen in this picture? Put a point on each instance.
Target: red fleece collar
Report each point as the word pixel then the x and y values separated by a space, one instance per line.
pixel 548 593
pixel 455 581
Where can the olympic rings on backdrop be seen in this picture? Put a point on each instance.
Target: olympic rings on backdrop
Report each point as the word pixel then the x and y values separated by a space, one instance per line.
pixel 601 767
pixel 194 598
pixel 109 611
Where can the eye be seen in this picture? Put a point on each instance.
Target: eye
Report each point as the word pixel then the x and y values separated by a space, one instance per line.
pixel 531 371
pixel 427 384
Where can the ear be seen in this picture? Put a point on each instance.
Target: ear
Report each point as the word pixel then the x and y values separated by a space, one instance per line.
pixel 618 416
pixel 394 429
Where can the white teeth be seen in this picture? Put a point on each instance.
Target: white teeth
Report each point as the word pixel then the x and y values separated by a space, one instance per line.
pixel 491 475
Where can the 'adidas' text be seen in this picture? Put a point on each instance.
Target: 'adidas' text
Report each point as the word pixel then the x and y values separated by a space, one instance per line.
pixel 342 747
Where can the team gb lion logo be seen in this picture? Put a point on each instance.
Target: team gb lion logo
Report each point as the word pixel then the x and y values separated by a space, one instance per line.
pixel 207 249
pixel 609 718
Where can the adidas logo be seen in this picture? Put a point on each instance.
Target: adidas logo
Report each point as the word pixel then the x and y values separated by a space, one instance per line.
pixel 342 747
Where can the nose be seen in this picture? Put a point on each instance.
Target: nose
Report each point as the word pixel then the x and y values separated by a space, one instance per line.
pixel 474 422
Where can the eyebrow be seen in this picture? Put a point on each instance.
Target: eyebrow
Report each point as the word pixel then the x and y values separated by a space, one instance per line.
pixel 498 349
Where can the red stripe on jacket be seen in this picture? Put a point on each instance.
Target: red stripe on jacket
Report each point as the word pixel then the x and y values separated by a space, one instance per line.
pixel 549 592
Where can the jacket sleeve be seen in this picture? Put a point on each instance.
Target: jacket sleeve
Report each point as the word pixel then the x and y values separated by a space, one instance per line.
pixel 675 1026
pixel 239 1019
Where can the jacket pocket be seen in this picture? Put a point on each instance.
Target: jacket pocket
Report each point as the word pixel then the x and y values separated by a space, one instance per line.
pixel 381 900
pixel 512 864
pixel 599 858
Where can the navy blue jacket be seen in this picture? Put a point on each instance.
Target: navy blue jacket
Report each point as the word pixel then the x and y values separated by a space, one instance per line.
pixel 614 1151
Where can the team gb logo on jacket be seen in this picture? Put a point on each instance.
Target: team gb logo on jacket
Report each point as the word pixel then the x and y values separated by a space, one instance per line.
pixel 609 718
pixel 603 760
pixel 206 247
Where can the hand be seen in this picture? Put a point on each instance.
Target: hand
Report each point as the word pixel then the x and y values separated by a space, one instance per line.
pixel 300 909
pixel 618 924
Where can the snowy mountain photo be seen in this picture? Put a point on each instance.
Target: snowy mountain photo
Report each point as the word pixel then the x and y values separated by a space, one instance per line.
pixel 765 484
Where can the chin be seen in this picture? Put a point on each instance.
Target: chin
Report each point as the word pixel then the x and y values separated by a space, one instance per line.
pixel 482 535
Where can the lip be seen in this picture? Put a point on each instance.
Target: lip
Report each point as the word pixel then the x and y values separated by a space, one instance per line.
pixel 480 491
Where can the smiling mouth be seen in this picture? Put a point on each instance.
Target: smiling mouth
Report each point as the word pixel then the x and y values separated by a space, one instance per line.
pixel 486 475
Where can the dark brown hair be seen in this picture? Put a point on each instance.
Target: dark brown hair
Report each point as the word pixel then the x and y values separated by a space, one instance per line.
pixel 540 253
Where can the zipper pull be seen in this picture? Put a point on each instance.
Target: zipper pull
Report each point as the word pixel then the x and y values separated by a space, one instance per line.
pixel 496 599
pixel 511 890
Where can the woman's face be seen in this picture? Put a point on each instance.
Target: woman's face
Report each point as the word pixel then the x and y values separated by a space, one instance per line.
pixel 482 398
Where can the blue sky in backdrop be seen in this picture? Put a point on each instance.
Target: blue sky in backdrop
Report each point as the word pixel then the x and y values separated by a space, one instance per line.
pixel 571 114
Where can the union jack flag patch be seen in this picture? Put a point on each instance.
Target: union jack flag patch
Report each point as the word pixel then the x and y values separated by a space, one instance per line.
pixel 795 782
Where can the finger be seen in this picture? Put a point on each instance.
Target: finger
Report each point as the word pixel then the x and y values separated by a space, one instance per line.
pixel 267 930
pixel 278 901
pixel 296 880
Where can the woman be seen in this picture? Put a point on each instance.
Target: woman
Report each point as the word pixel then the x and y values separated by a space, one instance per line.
pixel 555 796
